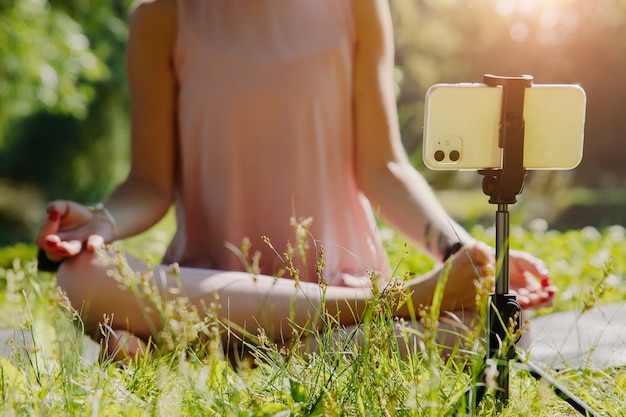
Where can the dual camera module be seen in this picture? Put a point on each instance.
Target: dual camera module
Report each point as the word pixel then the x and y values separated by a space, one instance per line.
pixel 453 156
pixel 448 150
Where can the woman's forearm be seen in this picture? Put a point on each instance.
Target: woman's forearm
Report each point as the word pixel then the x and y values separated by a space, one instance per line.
pixel 136 205
pixel 406 201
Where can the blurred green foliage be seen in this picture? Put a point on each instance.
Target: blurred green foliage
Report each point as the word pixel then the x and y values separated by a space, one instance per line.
pixel 47 63
pixel 64 102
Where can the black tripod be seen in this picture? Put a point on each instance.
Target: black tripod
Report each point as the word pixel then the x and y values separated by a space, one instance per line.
pixel 503 185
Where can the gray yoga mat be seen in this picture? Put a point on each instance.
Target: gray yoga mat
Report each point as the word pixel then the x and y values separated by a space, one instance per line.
pixel 573 339
pixel 570 339
pixel 15 342
pixel 22 343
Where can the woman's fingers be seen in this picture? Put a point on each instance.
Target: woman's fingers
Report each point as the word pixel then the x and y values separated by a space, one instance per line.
pixel 47 238
pixel 70 248
pixel 50 226
pixel 50 245
pixel 65 230
pixel 530 281
pixel 94 242
pixel 531 263
pixel 57 249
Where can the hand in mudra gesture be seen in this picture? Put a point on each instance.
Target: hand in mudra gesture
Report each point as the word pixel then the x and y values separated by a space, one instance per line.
pixel 71 227
pixel 529 278
pixel 472 266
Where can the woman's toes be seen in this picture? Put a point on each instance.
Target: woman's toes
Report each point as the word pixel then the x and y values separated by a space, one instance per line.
pixel 123 346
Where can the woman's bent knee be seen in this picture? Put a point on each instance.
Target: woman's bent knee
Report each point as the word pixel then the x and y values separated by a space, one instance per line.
pixel 76 277
pixel 96 295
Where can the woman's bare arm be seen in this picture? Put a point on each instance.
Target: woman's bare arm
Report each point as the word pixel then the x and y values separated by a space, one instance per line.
pixel 395 189
pixel 145 196
pixel 147 193
pixel 400 194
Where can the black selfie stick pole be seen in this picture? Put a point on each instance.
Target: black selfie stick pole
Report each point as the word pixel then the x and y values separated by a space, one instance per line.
pixel 503 185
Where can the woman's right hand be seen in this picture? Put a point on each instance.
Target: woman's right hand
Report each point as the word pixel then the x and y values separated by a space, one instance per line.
pixel 71 227
pixel 473 265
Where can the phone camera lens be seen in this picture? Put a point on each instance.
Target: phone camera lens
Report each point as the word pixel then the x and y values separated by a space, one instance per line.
pixel 439 155
pixel 455 156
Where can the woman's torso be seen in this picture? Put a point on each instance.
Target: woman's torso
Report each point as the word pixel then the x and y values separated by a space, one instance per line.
pixel 266 135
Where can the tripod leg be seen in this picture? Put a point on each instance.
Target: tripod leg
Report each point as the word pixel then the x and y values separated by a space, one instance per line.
pixel 503 320
pixel 560 391
pixel 503 316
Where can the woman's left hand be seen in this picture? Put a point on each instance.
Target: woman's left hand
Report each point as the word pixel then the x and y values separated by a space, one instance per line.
pixel 530 281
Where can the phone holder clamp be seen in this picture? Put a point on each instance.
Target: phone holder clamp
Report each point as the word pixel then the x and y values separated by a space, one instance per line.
pixel 503 185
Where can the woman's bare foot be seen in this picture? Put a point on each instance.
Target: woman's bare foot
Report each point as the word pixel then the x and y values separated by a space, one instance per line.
pixel 124 347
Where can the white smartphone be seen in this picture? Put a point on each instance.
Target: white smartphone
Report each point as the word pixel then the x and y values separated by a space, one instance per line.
pixel 461 126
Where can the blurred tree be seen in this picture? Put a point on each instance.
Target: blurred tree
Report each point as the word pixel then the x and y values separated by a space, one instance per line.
pixel 46 62
pixel 63 101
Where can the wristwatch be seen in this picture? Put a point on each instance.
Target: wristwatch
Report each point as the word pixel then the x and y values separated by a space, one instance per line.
pixel 451 250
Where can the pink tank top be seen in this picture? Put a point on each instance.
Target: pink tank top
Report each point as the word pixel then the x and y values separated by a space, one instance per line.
pixel 266 135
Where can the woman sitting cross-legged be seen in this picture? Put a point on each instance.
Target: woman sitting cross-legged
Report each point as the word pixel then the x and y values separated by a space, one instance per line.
pixel 244 116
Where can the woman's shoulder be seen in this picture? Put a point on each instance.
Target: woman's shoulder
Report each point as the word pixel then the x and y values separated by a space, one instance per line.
pixel 154 9
pixel 155 4
pixel 154 20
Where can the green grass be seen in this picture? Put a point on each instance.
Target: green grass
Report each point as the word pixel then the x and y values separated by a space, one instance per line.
pixel 341 379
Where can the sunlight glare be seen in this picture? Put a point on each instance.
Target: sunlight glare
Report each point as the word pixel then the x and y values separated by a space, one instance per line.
pixel 504 7
pixel 508 7
pixel 519 31
pixel 528 7
pixel 549 19
pixel 556 19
